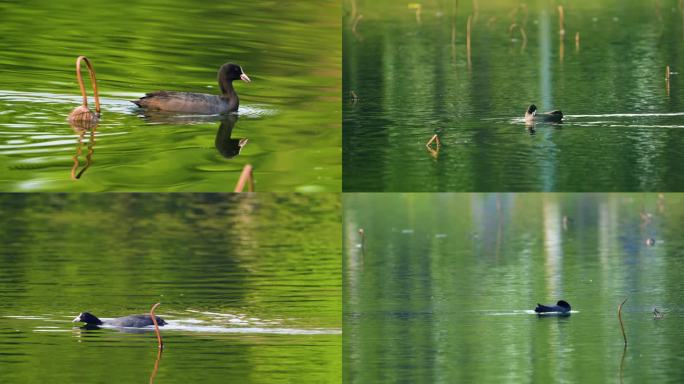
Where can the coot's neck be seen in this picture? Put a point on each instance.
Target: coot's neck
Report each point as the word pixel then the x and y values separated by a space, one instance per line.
pixel 227 92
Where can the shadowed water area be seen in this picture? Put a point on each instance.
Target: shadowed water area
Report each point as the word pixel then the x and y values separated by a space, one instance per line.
pixel 250 287
pixel 408 76
pixel 444 287
pixel 289 113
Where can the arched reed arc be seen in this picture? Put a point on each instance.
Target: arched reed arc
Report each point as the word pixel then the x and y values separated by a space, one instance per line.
pixel 93 81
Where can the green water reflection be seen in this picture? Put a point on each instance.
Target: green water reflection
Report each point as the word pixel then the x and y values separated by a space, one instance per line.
pixel 443 290
pixel 405 80
pixel 250 285
pixel 290 113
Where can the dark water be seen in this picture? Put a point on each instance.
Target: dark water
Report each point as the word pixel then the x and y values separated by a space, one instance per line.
pixel 250 287
pixel 623 130
pixel 444 290
pixel 290 112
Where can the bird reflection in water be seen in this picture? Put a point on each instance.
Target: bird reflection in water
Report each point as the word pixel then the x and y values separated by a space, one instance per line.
pixel 227 146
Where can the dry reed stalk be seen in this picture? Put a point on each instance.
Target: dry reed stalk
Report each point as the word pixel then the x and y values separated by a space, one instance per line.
pixel 245 177
pixel 160 343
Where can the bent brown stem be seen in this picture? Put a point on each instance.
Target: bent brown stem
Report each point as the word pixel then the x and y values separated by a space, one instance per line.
pixel 434 139
pixel 93 81
pixel 160 343
pixel 622 327
pixel 245 176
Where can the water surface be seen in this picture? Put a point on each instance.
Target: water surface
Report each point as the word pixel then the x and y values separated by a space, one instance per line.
pixel 250 287
pixel 443 289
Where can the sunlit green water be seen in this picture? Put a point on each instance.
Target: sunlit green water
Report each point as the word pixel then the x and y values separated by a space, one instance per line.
pixel 290 113
pixel 443 291
pixel 250 286
pixel 623 131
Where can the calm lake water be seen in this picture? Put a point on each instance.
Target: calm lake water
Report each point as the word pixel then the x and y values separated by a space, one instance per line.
pixel 250 286
pixel 405 80
pixel 290 112
pixel 444 288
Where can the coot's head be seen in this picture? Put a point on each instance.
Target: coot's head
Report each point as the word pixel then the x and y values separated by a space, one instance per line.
pixel 563 304
pixel 88 318
pixel 532 109
pixel 233 72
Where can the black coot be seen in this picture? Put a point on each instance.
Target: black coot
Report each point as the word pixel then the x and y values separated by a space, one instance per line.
pixel 134 321
pixel 562 307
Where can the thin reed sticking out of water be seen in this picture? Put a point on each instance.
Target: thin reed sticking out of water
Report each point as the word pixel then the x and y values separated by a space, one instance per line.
pixel 561 20
pixel 83 113
pixel 470 19
pixel 434 139
pixel 522 34
pixel 362 233
pixel 577 42
pixel 160 343
pixel 245 177
pixel 622 326
pixel 667 80
pixel 418 8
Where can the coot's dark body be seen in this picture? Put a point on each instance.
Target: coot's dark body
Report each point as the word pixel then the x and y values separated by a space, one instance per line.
pixel 561 308
pixel 132 321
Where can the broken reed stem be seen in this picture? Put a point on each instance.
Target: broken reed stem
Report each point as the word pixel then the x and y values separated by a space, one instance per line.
pixel 561 20
pixel 245 177
pixel 622 326
pixel 160 343
pixel 577 41
pixel 522 33
pixel 434 139
pixel 93 81
pixel 470 18
pixel 362 233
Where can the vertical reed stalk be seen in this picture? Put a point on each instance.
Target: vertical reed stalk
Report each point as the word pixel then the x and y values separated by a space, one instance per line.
pixel 160 343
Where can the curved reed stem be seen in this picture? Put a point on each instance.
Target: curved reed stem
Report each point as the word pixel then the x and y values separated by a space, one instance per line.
pixel 156 326
pixel 622 327
pixel 93 81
